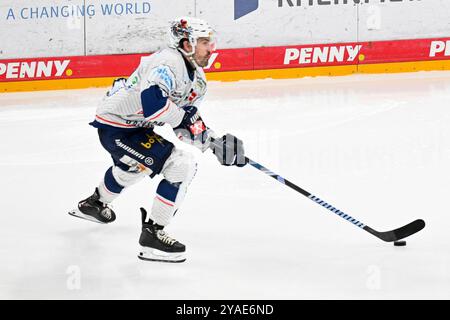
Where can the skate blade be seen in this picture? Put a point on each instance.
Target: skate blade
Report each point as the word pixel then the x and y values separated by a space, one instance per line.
pixel 150 254
pixel 78 214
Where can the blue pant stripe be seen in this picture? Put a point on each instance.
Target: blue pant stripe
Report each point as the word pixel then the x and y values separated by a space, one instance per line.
pixel 110 182
pixel 167 190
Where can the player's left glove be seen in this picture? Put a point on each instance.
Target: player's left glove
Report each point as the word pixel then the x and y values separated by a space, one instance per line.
pixel 192 129
pixel 229 150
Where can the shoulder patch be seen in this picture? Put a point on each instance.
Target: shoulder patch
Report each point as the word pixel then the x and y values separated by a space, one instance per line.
pixel 163 75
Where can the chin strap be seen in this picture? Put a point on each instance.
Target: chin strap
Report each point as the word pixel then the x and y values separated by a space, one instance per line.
pixel 192 60
pixel 190 57
pixel 187 54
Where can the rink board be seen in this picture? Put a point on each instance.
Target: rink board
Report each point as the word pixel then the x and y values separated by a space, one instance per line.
pixel 237 64
pixel 46 28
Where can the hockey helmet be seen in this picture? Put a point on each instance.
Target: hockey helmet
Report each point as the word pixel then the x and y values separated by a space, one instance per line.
pixel 188 28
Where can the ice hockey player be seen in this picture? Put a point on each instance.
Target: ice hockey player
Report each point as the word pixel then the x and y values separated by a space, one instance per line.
pixel 166 88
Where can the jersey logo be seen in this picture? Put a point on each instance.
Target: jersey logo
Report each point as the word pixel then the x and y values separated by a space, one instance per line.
pixel 197 128
pixel 163 74
pixel 192 96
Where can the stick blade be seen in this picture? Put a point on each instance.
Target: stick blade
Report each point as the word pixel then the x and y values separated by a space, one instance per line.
pixel 400 233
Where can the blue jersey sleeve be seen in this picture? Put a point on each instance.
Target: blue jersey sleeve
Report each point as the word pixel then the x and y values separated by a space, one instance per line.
pixel 152 100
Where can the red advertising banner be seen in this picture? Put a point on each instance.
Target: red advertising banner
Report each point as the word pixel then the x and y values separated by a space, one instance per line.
pixel 244 59
pixel 405 50
pixel 306 56
pixel 68 67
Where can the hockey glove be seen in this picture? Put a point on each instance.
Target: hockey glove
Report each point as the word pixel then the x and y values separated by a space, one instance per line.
pixel 192 129
pixel 229 150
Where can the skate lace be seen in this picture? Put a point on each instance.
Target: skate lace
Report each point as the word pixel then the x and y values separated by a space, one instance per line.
pixel 164 237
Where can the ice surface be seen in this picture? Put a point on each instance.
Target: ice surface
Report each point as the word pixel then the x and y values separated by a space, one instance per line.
pixel 375 146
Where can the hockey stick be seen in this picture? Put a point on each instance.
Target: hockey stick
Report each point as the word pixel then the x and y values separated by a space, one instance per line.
pixel 387 236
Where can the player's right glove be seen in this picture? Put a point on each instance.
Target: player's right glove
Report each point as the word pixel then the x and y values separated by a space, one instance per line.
pixel 229 150
pixel 192 129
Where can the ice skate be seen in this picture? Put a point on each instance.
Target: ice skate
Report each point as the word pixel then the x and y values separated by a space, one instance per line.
pixel 156 245
pixel 93 209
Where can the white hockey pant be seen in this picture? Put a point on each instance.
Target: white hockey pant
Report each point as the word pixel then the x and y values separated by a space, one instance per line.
pixel 178 172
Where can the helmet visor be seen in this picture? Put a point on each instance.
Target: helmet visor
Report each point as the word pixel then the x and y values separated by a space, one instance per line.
pixel 210 39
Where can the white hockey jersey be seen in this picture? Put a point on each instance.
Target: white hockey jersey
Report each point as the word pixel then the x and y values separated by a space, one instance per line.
pixel 122 106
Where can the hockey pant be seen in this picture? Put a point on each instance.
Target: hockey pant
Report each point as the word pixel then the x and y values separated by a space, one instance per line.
pixel 141 153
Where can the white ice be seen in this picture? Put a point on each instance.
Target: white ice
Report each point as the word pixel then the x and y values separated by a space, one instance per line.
pixel 375 146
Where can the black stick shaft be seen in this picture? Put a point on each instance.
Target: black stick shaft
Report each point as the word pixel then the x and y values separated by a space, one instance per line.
pixel 306 194
pixel 388 236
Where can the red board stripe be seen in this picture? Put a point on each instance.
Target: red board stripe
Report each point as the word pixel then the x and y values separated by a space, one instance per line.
pixel 241 59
